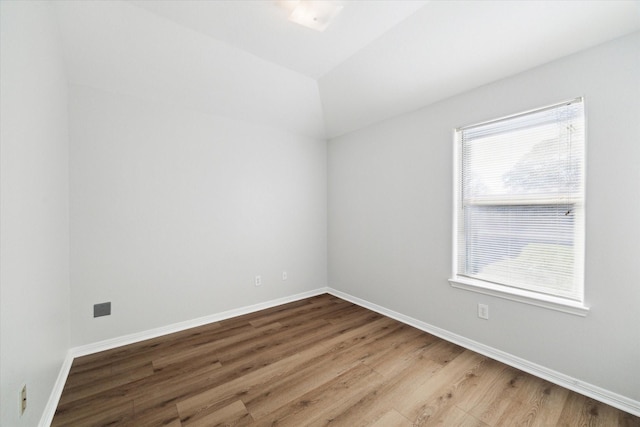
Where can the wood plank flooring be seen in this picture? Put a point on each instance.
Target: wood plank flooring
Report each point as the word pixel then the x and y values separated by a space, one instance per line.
pixel 316 362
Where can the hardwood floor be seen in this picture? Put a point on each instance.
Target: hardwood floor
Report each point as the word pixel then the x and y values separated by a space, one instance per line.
pixel 319 361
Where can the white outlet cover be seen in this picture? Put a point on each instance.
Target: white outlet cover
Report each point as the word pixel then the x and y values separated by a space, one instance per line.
pixel 23 399
pixel 483 311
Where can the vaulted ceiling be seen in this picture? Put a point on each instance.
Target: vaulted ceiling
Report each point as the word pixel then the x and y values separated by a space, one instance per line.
pixel 377 59
pixel 263 29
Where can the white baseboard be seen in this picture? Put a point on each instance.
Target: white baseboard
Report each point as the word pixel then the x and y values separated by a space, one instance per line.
pixel 610 398
pixel 598 393
pixel 56 393
pixel 181 326
pixel 54 397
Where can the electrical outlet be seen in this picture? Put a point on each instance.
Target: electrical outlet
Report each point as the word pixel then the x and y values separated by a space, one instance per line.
pixel 258 281
pixel 284 275
pixel 483 311
pixel 23 399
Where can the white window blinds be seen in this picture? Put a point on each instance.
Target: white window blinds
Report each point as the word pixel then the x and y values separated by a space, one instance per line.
pixel 520 210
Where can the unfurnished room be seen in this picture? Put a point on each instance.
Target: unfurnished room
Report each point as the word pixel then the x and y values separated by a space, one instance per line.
pixel 308 213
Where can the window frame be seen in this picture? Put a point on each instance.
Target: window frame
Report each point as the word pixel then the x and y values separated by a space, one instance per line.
pixel 566 305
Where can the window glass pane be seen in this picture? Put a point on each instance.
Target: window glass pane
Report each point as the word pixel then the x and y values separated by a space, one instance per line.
pixel 530 247
pixel 520 201
pixel 527 162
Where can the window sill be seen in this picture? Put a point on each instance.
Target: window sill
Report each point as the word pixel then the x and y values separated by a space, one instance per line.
pixel 519 295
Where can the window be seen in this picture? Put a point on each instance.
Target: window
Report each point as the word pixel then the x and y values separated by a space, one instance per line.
pixel 519 220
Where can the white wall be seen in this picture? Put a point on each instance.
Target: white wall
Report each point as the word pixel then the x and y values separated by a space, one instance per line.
pixel 390 218
pixel 174 211
pixel 34 246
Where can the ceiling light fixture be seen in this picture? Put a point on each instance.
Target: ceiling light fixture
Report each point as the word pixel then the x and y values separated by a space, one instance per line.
pixel 315 14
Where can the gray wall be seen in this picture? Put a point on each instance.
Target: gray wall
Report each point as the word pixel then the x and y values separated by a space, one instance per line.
pixel 34 218
pixel 390 218
pixel 174 212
